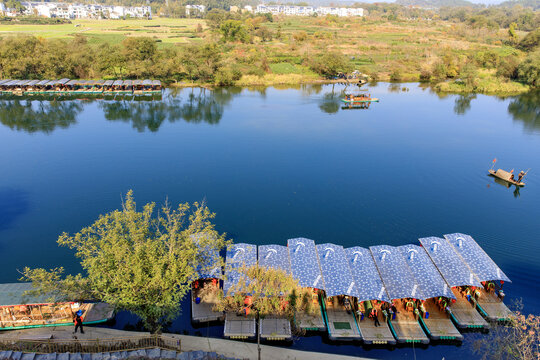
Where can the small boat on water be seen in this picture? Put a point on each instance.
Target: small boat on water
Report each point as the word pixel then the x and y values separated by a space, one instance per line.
pixel 21 311
pixel 506 176
pixel 351 99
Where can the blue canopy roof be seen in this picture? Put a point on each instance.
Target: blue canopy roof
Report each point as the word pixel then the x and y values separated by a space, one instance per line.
pixel 238 255
pixel 305 263
pixel 209 263
pixel 425 272
pixel 451 266
pixel 477 259
pixel 365 274
pixel 396 275
pixel 337 276
pixel 275 256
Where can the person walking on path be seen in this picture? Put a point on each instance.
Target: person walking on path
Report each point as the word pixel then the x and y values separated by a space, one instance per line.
pixel 78 322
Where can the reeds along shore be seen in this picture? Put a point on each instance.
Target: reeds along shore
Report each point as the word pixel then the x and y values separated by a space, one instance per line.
pixel 67 86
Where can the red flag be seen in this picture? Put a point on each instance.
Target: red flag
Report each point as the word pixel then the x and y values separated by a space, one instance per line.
pixel 495 160
pixel 511 171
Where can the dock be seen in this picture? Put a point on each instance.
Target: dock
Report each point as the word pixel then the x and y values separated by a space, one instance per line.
pixel 406 327
pixel 340 323
pixel 492 308
pixel 239 327
pixel 465 315
pixel 208 298
pixel 439 325
pixel 372 334
pixel 275 328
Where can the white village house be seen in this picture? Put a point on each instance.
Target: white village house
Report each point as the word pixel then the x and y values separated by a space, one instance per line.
pixel 84 11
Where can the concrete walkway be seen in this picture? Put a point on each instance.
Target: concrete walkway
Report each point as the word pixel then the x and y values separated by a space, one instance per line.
pixel 227 348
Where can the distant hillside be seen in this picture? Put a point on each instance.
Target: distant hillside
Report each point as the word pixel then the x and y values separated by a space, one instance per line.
pixel 434 3
pixel 533 4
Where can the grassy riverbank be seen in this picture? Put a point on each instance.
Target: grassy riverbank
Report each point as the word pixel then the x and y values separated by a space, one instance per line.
pixel 282 50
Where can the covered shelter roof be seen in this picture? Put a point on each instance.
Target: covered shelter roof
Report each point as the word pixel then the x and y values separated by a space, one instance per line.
pixel 43 82
pixel 62 81
pixel 72 82
pixel 13 294
pixel 147 82
pixel 118 82
pixel 99 82
pixel 425 272
pixel 337 276
pixel 24 82
pixel 237 256
pixel 52 82
pixel 11 83
pixel 5 81
pixel 365 274
pixel 275 256
pixel 32 82
pixel 451 266
pixel 156 83
pixel 127 83
pixel 136 82
pixel 396 275
pixel 477 259
pixel 108 83
pixel 209 266
pixel 305 263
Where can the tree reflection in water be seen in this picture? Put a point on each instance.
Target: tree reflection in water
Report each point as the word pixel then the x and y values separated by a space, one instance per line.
pixel 38 115
pixel 463 103
pixel 526 108
pixel 200 105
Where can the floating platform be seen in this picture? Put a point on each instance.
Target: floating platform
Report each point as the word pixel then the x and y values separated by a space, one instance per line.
pixel 438 325
pixel 506 176
pixel 492 308
pixel 275 328
pixel 341 325
pixel 465 315
pixel 239 327
pixel 372 334
pixel 406 328
pixel 202 312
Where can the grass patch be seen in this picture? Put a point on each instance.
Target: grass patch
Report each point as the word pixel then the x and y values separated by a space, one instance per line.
pixel 275 79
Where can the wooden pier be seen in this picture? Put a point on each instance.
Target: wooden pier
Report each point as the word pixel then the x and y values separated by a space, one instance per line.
pixel 239 327
pixel 340 323
pixel 438 325
pixel 406 327
pixel 492 308
pixel 208 297
pixel 372 334
pixel 465 315
pixel 275 328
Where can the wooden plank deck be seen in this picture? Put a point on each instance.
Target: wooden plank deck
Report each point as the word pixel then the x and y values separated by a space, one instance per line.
pixel 310 322
pixel 239 327
pixel 492 308
pixel 372 334
pixel 465 315
pixel 202 312
pixel 341 325
pixel 439 324
pixel 406 328
pixel 275 328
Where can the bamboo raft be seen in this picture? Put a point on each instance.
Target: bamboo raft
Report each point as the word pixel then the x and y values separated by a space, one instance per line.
pixel 439 325
pixel 208 298
pixel 372 334
pixel 492 307
pixel 239 327
pixel 465 315
pixel 406 328
pixel 340 323
pixel 275 328
pixel 506 176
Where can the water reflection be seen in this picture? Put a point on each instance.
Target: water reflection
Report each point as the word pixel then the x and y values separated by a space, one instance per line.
pixel 38 116
pixel 463 103
pixel 526 108
pixel 14 204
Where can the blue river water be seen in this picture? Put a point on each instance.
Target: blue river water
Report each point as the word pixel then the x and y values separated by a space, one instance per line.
pixel 276 164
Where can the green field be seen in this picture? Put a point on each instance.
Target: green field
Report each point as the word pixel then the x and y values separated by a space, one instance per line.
pixel 169 31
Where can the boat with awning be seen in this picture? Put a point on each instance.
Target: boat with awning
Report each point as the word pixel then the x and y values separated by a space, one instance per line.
pixel 273 326
pixel 371 293
pixel 340 293
pixel 491 276
pixel 433 312
pixel 19 310
pixel 305 268
pixel 206 285
pixel 238 256
pixel 459 277
pixel 403 290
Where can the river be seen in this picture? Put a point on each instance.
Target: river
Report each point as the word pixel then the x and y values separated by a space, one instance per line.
pixel 276 164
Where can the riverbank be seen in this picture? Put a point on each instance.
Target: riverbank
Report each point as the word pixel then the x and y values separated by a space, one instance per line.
pixel 226 348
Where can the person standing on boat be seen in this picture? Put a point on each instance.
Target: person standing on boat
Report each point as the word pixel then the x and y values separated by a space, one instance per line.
pixel 520 176
pixel 78 322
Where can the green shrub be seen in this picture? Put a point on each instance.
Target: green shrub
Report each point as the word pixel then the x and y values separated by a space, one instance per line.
pixel 529 70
